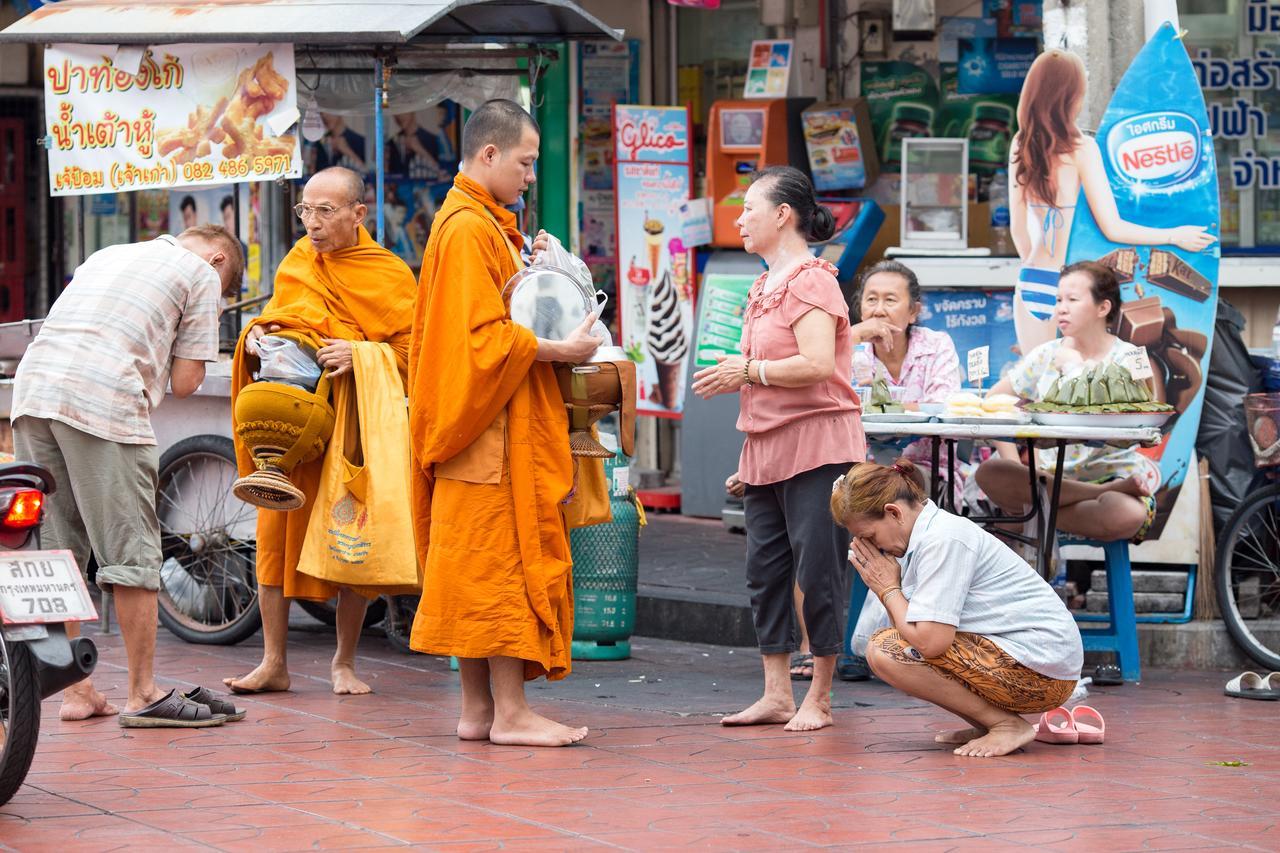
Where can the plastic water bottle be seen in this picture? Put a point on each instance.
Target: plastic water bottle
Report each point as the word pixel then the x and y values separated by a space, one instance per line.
pixel 998 199
pixel 863 370
pixel 1275 337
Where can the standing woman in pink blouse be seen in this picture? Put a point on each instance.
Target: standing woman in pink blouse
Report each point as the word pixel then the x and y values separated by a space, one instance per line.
pixel 801 419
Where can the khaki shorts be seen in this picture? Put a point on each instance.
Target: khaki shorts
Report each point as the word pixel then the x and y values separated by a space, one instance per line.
pixel 105 500
pixel 985 668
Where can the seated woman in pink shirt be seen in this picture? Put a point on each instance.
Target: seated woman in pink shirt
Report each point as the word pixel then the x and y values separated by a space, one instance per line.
pixel 801 419
pixel 921 362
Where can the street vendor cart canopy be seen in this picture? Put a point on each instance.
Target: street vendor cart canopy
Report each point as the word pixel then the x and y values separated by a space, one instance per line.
pixel 318 22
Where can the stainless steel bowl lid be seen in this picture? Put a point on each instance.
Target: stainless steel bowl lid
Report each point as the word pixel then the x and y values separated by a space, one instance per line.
pixel 548 301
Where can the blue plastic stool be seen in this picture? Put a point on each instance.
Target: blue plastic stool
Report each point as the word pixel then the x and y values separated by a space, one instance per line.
pixel 1121 635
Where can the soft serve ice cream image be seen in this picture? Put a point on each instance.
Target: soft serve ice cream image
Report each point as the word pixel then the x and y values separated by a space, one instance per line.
pixel 666 342
pixel 653 229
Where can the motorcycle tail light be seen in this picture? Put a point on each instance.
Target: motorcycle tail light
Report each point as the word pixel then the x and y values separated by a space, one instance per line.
pixel 24 510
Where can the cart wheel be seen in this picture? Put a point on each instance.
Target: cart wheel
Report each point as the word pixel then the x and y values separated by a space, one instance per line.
pixel 208 584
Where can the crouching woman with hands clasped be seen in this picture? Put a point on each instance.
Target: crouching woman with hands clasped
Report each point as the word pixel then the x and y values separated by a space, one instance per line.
pixel 975 630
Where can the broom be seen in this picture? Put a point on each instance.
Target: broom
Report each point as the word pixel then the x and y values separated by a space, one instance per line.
pixel 1204 606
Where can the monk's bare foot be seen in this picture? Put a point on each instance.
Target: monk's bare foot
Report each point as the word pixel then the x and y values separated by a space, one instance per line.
pixel 82 701
pixel 813 715
pixel 476 718
pixel 960 736
pixel 529 729
pixel 345 681
pixel 767 711
pixel 264 679
pixel 477 728
pixel 1002 739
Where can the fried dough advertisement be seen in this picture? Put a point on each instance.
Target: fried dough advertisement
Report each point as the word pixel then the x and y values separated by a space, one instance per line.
pixel 169 116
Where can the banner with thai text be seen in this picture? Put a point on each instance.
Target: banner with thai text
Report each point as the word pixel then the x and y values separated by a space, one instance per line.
pixel 122 118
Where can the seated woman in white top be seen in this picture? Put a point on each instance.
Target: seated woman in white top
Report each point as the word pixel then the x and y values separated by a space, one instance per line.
pixel 1107 492
pixel 975 630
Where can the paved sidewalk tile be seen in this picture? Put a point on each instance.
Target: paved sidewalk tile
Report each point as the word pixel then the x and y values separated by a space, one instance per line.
pixel 309 770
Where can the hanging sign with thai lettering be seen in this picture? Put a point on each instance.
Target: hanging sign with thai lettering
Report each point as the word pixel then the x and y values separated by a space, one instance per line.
pixel 121 119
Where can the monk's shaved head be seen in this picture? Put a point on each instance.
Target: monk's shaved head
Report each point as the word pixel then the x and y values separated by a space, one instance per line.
pixel 500 123
pixel 350 181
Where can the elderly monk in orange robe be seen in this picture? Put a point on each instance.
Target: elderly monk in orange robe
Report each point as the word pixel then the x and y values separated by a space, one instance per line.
pixel 340 284
pixel 492 465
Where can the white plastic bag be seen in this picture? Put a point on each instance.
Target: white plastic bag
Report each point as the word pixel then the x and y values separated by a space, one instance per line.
pixel 282 360
pixel 557 256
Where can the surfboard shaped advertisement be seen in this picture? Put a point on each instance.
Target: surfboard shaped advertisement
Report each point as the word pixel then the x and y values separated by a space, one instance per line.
pixel 1157 153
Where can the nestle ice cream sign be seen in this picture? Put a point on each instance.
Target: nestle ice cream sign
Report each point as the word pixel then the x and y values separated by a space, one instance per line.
pixel 1155 149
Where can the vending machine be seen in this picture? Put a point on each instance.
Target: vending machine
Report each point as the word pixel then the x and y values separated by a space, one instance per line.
pixel 742 138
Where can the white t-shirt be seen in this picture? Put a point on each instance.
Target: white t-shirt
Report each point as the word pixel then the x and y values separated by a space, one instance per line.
pixel 956 573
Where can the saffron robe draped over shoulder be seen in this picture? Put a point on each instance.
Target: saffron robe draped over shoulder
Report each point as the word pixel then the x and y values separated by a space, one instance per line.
pixel 361 293
pixel 491 454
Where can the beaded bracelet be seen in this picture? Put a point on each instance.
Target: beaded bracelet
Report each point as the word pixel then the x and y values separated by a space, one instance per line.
pixel 746 372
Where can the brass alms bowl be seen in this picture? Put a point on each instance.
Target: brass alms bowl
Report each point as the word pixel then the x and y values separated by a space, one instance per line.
pixel 283 426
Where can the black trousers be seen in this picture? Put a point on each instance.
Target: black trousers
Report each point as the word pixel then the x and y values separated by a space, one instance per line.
pixel 792 539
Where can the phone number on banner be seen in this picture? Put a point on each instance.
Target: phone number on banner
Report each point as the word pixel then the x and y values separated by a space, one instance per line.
pixel 129 176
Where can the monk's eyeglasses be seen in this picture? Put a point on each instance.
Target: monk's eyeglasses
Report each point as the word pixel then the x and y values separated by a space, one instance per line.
pixel 324 211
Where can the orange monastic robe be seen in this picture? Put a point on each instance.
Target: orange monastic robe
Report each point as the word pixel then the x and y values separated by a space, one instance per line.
pixel 492 463
pixel 362 293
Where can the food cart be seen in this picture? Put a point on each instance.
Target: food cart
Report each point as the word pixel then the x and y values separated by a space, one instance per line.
pixel 375 50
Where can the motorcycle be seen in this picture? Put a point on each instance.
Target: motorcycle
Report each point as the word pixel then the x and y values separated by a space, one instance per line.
pixel 40 591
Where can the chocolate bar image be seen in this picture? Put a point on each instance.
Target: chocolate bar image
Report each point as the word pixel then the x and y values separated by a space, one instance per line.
pixel 1123 262
pixel 1142 321
pixel 1169 271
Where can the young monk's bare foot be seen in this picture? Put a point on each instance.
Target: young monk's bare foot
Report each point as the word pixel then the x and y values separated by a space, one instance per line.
pixel 813 715
pixel 764 712
pixel 345 681
pixel 82 701
pixel 476 718
pixel 960 736
pixel 263 679
pixel 475 728
pixel 530 729
pixel 1002 739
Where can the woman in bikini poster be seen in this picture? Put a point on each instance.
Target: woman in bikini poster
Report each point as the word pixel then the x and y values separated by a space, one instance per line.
pixel 1050 163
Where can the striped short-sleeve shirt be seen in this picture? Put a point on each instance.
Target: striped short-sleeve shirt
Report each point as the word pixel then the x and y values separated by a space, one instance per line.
pixel 102 358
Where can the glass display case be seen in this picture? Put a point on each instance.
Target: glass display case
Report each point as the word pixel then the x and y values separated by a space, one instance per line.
pixel 934 189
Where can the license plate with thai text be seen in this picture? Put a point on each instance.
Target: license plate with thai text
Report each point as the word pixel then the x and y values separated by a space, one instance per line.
pixel 41 587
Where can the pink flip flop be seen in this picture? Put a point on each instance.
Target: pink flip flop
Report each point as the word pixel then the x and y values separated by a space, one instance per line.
pixel 1088 724
pixel 1057 726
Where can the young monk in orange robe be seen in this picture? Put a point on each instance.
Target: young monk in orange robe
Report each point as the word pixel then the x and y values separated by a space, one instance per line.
pixel 492 464
pixel 339 283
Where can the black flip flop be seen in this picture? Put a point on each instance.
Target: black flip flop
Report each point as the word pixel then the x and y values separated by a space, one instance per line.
pixel 172 711
pixel 798 660
pixel 206 697
pixel 853 668
pixel 1107 675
